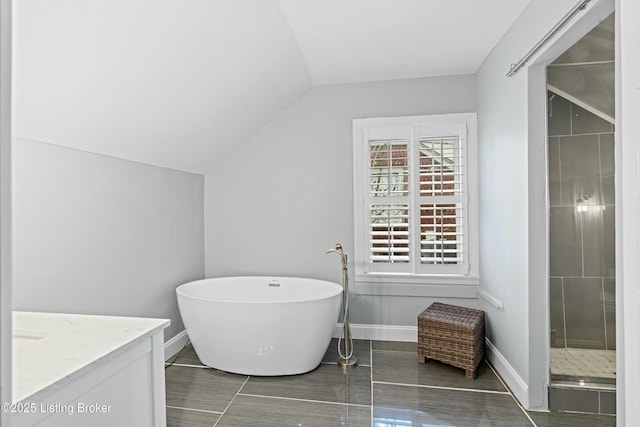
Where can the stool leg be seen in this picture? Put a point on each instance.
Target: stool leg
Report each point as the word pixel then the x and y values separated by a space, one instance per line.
pixel 470 374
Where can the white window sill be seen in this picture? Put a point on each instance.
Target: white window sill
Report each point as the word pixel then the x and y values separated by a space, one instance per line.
pixel 442 286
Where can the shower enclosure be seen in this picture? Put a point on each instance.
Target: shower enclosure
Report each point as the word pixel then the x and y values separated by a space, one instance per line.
pixel 582 223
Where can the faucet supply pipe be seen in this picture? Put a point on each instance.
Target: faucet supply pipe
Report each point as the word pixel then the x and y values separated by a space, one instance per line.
pixel 347 359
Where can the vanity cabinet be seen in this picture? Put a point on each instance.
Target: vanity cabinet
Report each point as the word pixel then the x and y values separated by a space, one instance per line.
pixel 82 370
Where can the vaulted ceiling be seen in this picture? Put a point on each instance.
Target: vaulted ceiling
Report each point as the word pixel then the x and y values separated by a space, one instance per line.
pixel 180 83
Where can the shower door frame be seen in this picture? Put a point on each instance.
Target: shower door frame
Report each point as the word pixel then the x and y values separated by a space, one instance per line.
pixel 538 198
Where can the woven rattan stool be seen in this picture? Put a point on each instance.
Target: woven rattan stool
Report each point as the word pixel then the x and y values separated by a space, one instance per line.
pixel 452 335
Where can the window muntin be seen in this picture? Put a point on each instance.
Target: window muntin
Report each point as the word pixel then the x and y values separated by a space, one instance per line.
pixel 389 168
pixel 441 167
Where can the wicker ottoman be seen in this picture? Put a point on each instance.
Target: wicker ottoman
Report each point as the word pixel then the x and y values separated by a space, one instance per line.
pixel 452 335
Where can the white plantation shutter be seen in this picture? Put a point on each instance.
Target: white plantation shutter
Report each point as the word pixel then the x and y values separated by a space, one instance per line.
pixel 388 198
pixel 441 234
pixel 411 196
pixel 389 233
pixel 442 198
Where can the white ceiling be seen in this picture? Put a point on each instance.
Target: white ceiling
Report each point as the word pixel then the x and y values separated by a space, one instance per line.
pixel 368 40
pixel 179 84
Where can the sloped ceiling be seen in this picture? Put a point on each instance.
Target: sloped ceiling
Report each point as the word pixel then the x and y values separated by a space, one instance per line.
pixel 368 40
pixel 179 84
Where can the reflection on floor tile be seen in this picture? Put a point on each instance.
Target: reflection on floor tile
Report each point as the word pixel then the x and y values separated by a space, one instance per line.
pixel 409 347
pixel 263 411
pixel 399 367
pixel 405 393
pixel 439 407
pixel 178 417
pixel 567 419
pixel 326 383
pixel 201 388
pixel 361 350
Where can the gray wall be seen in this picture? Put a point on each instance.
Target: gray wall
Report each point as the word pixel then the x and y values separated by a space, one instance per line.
pixel 99 235
pixel 512 194
pixel 285 196
pixel 581 243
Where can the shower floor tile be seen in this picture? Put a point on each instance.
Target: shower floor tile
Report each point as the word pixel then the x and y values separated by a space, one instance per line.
pixel 388 388
pixel 579 364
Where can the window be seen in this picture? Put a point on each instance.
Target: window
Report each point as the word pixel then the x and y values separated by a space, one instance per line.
pixel 414 187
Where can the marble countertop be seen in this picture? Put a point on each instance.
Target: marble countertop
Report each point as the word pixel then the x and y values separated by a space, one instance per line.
pixel 51 348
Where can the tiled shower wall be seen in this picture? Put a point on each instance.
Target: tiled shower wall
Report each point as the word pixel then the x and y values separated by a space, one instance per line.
pixel 581 222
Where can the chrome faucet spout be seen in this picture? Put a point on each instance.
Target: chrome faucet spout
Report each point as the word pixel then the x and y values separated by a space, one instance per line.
pixel 338 250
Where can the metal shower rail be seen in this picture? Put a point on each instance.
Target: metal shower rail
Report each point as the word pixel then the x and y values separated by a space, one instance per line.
pixel 575 10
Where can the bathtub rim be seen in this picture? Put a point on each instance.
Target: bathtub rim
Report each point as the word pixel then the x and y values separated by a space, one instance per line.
pixel 181 293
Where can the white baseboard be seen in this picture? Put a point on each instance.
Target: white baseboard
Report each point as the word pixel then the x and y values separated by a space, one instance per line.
pixel 174 345
pixel 379 332
pixel 358 331
pixel 518 386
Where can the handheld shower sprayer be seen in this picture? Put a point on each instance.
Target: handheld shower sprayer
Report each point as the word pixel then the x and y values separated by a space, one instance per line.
pixel 346 359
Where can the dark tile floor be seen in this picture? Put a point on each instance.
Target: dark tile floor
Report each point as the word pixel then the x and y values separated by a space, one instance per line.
pixel 389 388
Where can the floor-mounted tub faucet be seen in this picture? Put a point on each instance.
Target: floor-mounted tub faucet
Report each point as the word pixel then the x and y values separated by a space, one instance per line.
pixel 346 359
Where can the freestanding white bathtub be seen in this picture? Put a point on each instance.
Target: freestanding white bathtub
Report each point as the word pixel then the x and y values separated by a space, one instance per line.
pixel 260 325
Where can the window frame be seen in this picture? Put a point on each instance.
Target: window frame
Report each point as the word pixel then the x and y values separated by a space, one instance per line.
pixel 414 128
